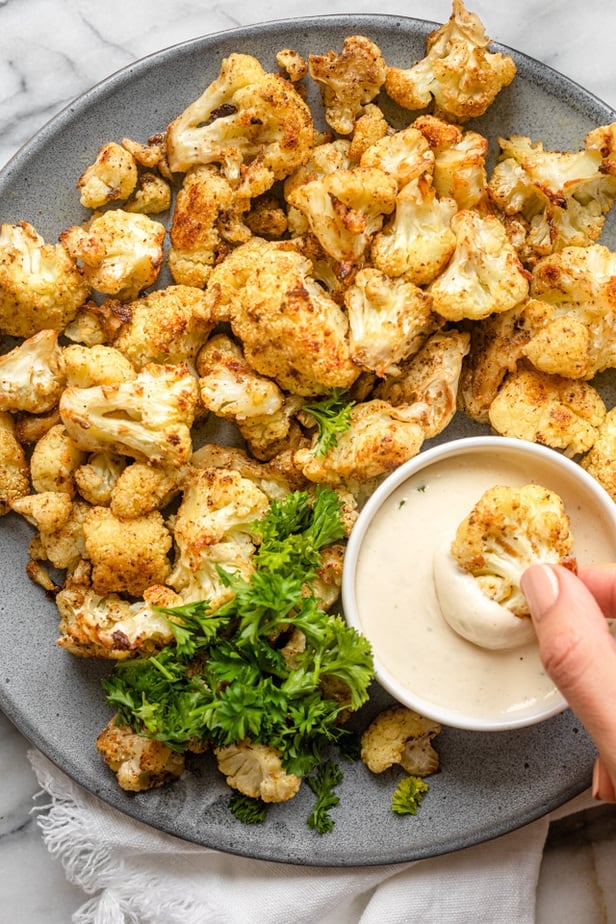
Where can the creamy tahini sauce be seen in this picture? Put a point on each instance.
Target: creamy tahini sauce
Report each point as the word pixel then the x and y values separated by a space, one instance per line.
pixel 398 606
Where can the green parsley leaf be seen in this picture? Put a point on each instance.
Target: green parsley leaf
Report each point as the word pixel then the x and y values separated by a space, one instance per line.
pixel 250 811
pixel 407 797
pixel 322 784
pixel 332 415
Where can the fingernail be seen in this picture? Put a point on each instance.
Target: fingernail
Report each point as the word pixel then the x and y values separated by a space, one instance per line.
pixel 540 587
pixel 602 786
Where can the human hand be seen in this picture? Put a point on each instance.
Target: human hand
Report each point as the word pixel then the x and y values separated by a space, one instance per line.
pixel 569 614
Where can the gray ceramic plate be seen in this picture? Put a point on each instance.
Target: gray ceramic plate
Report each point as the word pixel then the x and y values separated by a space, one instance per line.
pixel 490 783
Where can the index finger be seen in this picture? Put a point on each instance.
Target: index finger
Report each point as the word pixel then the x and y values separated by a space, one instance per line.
pixel 601 582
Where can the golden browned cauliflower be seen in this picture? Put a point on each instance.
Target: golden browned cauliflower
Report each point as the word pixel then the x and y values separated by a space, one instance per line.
pixel 60 527
pixel 41 286
pixel 369 128
pixel 127 555
pixel 266 477
pixel 139 763
pixel 399 735
pixel 54 460
pixel 254 124
pixel 151 196
pixel 575 337
pixel 484 274
pixel 14 471
pixel 600 460
pixel 389 320
pixel 85 366
pixel 31 374
pixel 112 176
pixel 256 770
pixel 349 80
pixel 165 326
pixel 405 154
pixel 459 170
pixel 548 409
pixel 120 252
pixel 291 330
pixel 96 479
pixel 141 488
pixel 508 530
pixel 458 73
pixel 149 418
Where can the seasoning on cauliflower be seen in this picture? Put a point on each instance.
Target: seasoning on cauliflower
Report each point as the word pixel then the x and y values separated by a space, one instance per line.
pixel 96 365
pixel 265 476
pixel 14 471
pixel 139 763
pixel 508 530
pixel 254 124
pixel 575 288
pixel 141 487
pixel 458 72
pixel 399 735
pixel 346 208
pixel 348 81
pixel 151 196
pixel 256 770
pixel 389 320
pixel 459 170
pixel 484 274
pixel 418 241
pixel 290 329
pixel 112 176
pixel 405 154
pixel 120 252
pixel 31 376
pixel 149 418
pixel 96 479
pixel 548 409
pixel 41 286
pixel 54 461
pixel 127 555
pixel 60 527
pixel 600 460
pixel 165 326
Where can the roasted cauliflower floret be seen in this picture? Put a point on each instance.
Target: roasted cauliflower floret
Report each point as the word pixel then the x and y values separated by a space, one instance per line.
pixel 41 286
pixel 85 367
pixel 165 326
pixel 254 124
pixel 389 320
pixel 576 289
pixel 600 461
pixel 149 418
pixel 127 555
pixel 290 329
pixel 139 763
pixel 548 409
pixel 399 735
pixel 112 176
pixel 97 478
pixel 418 241
pixel 508 530
pixel 484 274
pixel 265 476
pixel 346 208
pixel 120 252
pixel 459 170
pixel 349 80
pixel 151 196
pixel 141 488
pixel 60 527
pixel 405 154
pixel 14 471
pixel 256 770
pixel 458 73
pixel 31 375
pixel 54 460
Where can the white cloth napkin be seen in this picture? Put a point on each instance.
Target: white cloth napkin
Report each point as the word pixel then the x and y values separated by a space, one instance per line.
pixel 137 875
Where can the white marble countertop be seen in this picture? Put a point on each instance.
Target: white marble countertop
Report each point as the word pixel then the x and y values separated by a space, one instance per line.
pixel 50 52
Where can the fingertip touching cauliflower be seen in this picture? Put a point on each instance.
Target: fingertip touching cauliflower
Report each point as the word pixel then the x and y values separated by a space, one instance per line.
pixel 256 771
pixel 41 286
pixel 458 72
pixel 139 763
pixel 112 176
pixel 120 252
pixel 254 124
pixel 508 530
pixel 484 274
pixel 31 375
pixel 149 418
pixel 349 80
pixel 399 735
pixel 548 409
pixel 14 470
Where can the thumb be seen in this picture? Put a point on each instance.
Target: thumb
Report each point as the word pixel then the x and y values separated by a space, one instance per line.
pixel 577 650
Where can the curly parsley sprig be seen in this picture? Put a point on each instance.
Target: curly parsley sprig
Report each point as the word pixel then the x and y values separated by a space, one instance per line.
pixel 332 416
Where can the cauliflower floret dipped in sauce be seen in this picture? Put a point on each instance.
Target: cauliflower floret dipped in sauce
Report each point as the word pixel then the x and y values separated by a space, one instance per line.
pixel 478 575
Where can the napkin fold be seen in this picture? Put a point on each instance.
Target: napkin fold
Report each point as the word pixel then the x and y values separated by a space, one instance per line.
pixel 137 875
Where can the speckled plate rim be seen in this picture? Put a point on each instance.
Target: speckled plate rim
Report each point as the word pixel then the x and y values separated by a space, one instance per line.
pixel 490 783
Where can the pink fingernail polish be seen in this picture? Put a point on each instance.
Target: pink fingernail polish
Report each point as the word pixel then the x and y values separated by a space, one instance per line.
pixel 540 587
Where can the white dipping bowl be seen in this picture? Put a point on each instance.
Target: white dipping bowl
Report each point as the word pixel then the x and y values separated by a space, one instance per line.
pixel 388 590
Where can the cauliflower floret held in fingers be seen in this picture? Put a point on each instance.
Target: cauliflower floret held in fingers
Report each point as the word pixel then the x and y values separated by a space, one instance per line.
pixel 548 409
pixel 139 763
pixel 14 470
pixel 120 252
pixel 253 123
pixel 399 735
pixel 41 285
pixel 31 374
pixel 477 575
pixel 256 771
pixel 458 73
pixel 149 418
pixel 112 177
pixel 348 81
